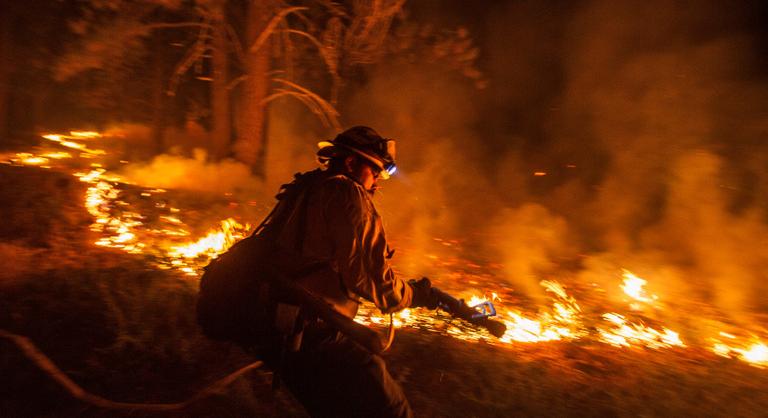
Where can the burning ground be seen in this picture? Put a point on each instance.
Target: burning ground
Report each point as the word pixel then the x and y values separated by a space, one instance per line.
pixel 105 273
pixel 607 192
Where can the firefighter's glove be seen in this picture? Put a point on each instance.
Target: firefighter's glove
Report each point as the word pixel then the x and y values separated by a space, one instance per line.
pixel 423 296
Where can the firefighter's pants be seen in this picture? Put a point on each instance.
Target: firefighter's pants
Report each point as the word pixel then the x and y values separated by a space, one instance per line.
pixel 334 377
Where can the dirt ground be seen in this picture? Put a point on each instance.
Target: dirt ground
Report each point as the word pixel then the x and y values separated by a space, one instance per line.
pixel 124 330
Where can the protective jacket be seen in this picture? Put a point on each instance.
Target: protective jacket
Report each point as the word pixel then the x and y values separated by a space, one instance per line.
pixel 332 241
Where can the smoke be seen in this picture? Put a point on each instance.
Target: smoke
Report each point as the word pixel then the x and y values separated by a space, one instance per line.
pixel 675 110
pixel 185 166
pixel 191 173
pixel 645 122
pixel 649 139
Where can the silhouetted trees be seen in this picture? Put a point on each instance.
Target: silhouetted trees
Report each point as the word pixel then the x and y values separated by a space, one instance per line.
pixel 222 62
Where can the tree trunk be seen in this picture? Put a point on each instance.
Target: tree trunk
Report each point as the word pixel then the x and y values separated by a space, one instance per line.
pixel 251 143
pixel 159 99
pixel 220 129
pixel 5 65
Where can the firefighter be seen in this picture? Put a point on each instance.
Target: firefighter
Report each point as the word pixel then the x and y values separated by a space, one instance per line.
pixel 330 240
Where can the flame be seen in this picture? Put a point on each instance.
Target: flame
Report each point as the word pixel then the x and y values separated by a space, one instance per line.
pixel 85 134
pixel 120 226
pixel 73 135
pixel 31 159
pixel 633 287
pixel 563 322
pixel 63 140
pixel 57 155
pixel 625 334
pixel 99 201
pixel 754 352
pixel 213 244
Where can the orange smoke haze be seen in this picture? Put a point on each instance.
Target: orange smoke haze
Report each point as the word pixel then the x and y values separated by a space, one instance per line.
pixel 651 137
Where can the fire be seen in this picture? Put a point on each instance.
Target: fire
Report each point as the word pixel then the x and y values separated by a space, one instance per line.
pixel 757 353
pixel 402 318
pixel 625 334
pixel 166 237
pixel 563 322
pixel 73 135
pixel 85 134
pixel 754 352
pixel 57 155
pixel 64 141
pixel 99 201
pixel 208 247
pixel 633 287
pixel 123 229
pixel 212 244
pixel 28 158
pixel 31 159
pixel 103 196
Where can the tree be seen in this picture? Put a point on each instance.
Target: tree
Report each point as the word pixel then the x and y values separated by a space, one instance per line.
pixel 340 36
pixel 255 51
pixel 122 42
pixel 5 64
pixel 30 33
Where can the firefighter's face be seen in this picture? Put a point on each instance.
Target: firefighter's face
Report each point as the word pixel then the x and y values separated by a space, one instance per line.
pixel 363 173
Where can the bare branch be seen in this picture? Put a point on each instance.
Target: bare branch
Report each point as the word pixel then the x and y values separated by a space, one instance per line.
pixel 236 44
pixel 328 57
pixel 176 25
pixel 288 49
pixel 232 84
pixel 319 106
pixel 369 28
pixel 320 48
pixel 273 96
pixel 271 27
pixel 194 54
pixel 54 372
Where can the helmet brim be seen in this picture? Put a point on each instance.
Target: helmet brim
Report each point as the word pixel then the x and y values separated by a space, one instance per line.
pixel 383 172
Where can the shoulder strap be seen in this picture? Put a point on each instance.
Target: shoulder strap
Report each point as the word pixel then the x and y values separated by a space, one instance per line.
pixel 290 195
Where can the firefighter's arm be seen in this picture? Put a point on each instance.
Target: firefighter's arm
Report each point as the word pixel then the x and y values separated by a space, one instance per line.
pixel 360 248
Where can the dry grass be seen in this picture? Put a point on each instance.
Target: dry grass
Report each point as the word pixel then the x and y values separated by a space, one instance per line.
pixel 126 331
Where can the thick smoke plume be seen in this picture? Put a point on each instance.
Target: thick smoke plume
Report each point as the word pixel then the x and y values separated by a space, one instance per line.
pixel 646 141
pixel 611 135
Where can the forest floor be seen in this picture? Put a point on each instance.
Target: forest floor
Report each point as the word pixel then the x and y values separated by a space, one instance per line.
pixel 124 330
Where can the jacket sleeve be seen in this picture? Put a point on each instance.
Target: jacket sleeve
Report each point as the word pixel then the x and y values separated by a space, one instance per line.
pixel 359 247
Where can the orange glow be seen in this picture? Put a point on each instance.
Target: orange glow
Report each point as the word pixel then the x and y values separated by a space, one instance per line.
pixel 625 334
pixel 753 351
pixel 167 239
pixel 633 286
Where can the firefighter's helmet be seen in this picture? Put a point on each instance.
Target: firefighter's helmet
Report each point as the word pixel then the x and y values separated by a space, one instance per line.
pixel 366 143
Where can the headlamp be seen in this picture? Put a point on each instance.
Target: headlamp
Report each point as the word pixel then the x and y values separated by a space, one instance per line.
pixel 365 142
pixel 390 168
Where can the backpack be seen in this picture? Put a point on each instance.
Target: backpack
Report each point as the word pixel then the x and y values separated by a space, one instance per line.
pixel 229 307
pixel 235 302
